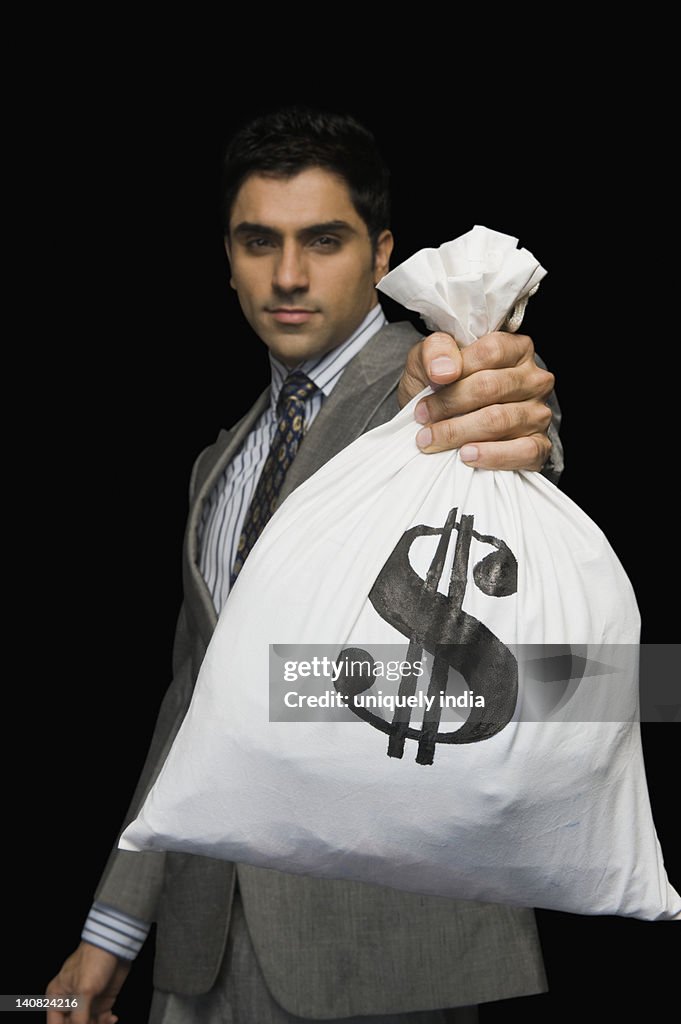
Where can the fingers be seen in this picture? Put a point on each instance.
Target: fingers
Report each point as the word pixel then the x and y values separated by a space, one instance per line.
pixel 500 423
pixel 434 360
pixel 489 395
pixel 499 367
pixel 80 1015
pixel 85 1013
pixel 496 351
pixel 486 388
pixel 481 387
pixel 528 453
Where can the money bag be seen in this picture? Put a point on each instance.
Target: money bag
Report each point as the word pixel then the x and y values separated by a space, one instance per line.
pixel 426 675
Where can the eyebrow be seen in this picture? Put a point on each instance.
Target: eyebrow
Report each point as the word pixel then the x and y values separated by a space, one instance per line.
pixel 249 228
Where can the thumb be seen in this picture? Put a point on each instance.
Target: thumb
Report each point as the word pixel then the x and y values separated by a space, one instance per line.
pixel 434 361
pixel 441 358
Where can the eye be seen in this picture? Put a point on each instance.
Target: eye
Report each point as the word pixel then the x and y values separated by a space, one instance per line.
pixel 259 243
pixel 326 242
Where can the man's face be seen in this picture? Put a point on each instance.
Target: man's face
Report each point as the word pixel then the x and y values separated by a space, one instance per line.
pixel 302 262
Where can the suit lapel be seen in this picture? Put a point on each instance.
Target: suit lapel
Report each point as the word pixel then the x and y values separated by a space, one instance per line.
pixel 208 470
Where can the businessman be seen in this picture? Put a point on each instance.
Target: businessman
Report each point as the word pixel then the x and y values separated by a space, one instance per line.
pixel 307 236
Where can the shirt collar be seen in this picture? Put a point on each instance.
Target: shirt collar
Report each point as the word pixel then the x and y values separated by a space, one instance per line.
pixel 325 370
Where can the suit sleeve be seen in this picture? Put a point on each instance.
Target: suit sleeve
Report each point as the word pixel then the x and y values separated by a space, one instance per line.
pixel 555 463
pixel 131 882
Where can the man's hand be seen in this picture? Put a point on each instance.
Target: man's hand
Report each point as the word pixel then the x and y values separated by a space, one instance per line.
pixel 489 402
pixel 96 977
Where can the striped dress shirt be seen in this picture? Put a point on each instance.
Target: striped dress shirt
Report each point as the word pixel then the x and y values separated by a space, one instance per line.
pixel 219 532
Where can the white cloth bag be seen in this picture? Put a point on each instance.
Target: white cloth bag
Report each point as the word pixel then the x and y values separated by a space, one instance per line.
pixel 539 798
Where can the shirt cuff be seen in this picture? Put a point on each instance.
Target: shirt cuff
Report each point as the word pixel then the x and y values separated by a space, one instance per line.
pixel 114 931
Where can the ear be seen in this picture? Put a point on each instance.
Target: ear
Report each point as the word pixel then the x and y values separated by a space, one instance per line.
pixel 229 259
pixel 384 248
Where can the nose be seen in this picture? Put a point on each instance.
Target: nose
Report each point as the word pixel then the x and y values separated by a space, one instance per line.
pixel 290 269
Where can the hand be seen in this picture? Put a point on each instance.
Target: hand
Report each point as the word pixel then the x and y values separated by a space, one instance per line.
pixel 96 977
pixel 489 401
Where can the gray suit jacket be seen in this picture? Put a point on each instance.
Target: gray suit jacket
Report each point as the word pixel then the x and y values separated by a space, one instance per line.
pixel 326 948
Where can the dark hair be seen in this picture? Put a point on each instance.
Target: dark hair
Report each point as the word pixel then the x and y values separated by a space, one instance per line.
pixel 292 139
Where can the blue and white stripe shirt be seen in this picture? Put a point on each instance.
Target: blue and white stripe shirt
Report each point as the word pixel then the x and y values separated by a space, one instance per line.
pixel 219 532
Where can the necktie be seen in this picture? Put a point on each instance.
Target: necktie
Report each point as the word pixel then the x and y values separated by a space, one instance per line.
pixel 288 435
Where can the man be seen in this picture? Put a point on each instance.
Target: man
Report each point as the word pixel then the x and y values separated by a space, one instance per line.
pixel 307 237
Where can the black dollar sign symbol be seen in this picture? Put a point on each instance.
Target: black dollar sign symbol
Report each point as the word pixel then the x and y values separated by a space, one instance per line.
pixel 437 623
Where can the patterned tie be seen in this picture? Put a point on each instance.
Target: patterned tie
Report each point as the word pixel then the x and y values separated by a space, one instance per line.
pixel 291 418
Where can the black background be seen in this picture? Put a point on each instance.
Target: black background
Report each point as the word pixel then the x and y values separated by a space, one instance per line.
pixel 131 353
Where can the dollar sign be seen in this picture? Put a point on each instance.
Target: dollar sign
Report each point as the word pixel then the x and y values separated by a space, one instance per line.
pixel 436 622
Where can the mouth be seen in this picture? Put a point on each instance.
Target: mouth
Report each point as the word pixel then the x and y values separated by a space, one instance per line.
pixel 291 314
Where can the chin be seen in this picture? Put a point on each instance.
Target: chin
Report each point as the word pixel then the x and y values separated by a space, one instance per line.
pixel 290 351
